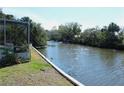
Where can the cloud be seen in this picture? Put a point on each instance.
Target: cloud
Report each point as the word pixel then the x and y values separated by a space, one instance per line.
pixel 18 13
pixel 47 24
pixel 50 24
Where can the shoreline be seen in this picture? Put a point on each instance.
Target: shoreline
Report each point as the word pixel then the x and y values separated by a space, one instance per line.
pixel 68 77
pixel 87 45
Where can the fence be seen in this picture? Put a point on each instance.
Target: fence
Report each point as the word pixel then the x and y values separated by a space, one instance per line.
pixel 15 37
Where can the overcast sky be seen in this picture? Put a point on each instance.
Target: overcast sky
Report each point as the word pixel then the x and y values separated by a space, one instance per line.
pixel 87 17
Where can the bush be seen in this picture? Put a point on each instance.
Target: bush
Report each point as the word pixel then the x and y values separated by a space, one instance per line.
pixel 9 59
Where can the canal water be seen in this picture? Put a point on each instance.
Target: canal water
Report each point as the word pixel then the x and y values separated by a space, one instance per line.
pixel 89 65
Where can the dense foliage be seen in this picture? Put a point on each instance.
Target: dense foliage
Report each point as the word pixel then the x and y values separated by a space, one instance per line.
pixel 38 36
pixel 66 33
pixel 17 36
pixel 9 59
pixel 110 36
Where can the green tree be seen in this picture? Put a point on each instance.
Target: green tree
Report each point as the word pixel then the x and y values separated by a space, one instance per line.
pixel 10 17
pixel 91 37
pixel 54 34
pixel 69 32
pixel 38 35
pixel 111 37
pixel 113 27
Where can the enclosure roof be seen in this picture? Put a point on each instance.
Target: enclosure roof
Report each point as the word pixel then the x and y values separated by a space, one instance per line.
pixel 14 21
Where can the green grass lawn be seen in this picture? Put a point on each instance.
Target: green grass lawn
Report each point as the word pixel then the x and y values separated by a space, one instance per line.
pixel 36 72
pixel 10 73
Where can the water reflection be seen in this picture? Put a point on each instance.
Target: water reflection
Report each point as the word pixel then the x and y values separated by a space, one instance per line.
pixel 107 56
pixel 91 66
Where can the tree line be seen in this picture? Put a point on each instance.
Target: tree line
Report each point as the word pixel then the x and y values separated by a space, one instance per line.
pixel 111 36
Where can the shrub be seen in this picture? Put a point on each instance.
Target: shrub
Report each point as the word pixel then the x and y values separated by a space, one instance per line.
pixel 9 59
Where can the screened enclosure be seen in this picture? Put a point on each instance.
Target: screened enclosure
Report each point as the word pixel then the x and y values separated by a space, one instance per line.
pixel 15 38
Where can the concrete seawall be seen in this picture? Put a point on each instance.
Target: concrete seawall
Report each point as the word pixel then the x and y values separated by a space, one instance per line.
pixel 71 79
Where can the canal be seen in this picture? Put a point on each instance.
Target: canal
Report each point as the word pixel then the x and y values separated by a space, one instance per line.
pixel 89 65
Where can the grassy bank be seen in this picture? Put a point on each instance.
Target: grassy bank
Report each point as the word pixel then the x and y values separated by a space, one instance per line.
pixel 36 72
